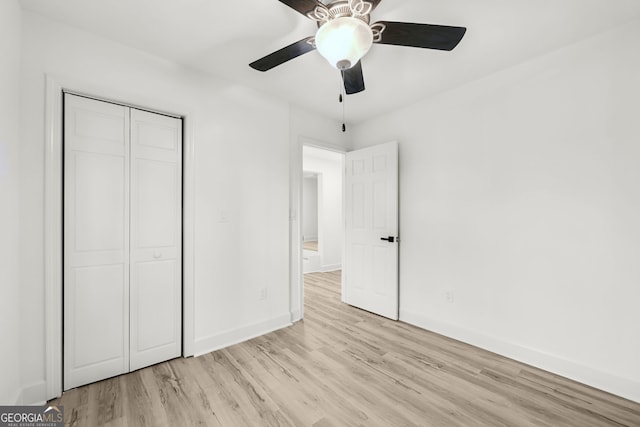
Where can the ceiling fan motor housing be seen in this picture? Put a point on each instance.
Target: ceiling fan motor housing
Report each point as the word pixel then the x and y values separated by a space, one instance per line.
pixel 338 9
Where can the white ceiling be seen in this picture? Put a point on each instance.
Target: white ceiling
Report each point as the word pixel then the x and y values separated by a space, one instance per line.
pixel 223 37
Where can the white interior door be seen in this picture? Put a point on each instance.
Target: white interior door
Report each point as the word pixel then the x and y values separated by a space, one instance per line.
pixel 96 249
pixel 156 200
pixel 371 229
pixel 122 239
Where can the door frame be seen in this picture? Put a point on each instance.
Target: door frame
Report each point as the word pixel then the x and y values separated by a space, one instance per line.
pixel 296 251
pixel 53 215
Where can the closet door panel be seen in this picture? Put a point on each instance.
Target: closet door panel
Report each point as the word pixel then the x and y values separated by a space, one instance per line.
pixel 98 207
pixel 156 278
pixel 96 241
pixel 99 313
pixel 156 193
pixel 156 284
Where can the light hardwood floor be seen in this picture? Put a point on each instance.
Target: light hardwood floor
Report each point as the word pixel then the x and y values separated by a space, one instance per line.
pixel 344 367
pixel 311 245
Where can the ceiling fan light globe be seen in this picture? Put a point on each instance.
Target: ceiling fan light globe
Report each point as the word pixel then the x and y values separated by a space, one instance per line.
pixel 344 41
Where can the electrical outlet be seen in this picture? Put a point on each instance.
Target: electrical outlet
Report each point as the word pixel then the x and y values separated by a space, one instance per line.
pixel 263 294
pixel 449 297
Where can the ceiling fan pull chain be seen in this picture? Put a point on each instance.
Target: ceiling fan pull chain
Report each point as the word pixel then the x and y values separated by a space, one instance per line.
pixel 341 99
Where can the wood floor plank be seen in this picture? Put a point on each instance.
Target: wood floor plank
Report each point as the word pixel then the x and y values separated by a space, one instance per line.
pixel 343 366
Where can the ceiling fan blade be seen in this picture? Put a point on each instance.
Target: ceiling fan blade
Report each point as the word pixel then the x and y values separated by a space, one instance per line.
pixel 353 79
pixel 303 6
pixel 426 36
pixel 283 55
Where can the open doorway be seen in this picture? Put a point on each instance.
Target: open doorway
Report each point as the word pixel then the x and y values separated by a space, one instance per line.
pixel 322 216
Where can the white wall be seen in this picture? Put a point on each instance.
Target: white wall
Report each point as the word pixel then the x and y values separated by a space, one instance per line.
pixel 241 138
pixel 310 208
pixel 519 194
pixel 328 165
pixel 10 25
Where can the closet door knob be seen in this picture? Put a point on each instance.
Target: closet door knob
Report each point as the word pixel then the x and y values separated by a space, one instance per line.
pixel 157 255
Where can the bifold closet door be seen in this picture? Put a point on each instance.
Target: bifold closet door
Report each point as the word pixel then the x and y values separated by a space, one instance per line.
pixel 156 235
pixel 122 239
pixel 96 241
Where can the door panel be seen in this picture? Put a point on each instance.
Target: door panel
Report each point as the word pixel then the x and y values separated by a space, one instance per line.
pixel 357 206
pixel 155 278
pixel 96 250
pixel 155 238
pixel 379 206
pixel 156 192
pixel 97 229
pixel 371 264
pixel 98 293
pixel 157 132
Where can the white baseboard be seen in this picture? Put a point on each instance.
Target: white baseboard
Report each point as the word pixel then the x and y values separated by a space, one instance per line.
pixel 601 380
pixel 310 238
pixel 33 394
pixel 328 268
pixel 235 336
pixel 296 315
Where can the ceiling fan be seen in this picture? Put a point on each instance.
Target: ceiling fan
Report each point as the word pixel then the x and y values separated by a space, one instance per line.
pixel 345 35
